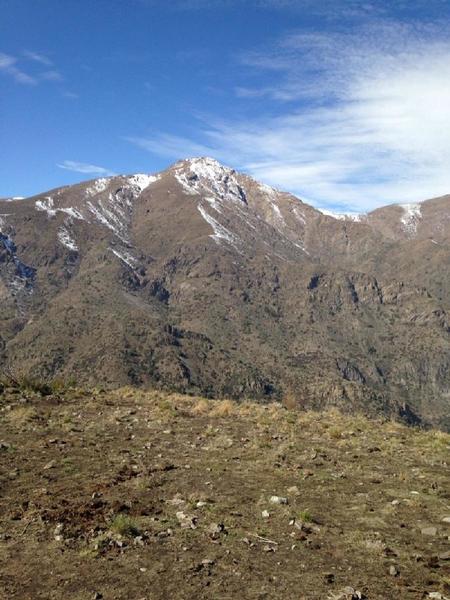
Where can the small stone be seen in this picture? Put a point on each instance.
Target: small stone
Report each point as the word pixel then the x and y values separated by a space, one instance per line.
pixel 142 569
pixel 444 556
pixel 186 521
pixel 429 531
pixel 394 571
pixel 206 562
pixel 265 514
pixel 50 465
pixel 57 533
pixel 278 500
pixel 216 529
pixel 176 501
pixel 268 548
pixel 293 490
pixel 446 520
pixel 395 502
pixel 201 504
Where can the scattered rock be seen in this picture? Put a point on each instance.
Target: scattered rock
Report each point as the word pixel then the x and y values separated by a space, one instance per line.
pixel 278 500
pixel 446 520
pixel 186 521
pixel 217 529
pixel 206 562
pixel 57 533
pixel 176 501
pixel 293 490
pixel 49 465
pixel 265 514
pixel 394 571
pixel 348 593
pixel 429 531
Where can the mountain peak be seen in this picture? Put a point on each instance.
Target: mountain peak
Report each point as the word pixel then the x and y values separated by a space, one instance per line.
pixel 205 175
pixel 203 166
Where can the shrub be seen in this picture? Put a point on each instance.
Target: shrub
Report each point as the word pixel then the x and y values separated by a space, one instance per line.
pixel 124 525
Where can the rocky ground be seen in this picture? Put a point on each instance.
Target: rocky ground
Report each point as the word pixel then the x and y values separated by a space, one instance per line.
pixel 141 495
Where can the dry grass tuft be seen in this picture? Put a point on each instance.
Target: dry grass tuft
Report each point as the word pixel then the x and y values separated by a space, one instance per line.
pixel 224 408
pixel 21 415
pixel 201 407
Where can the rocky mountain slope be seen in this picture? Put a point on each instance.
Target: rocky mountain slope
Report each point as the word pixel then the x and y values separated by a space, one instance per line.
pixel 201 280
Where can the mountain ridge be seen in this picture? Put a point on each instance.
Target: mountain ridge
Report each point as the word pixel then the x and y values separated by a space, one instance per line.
pixel 202 280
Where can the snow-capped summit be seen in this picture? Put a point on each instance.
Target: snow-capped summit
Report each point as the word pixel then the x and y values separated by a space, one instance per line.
pixel 207 175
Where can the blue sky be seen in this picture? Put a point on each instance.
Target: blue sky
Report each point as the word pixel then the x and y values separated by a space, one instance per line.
pixel 344 103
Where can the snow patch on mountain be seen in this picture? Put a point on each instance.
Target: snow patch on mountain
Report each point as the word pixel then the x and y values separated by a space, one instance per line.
pixel 20 276
pixel 206 175
pixel 269 191
pixel 125 256
pixel 299 215
pixel 108 217
pixel 142 181
pixel 97 187
pixel 220 232
pixel 350 216
pixel 411 217
pixel 66 240
pixel 72 212
pixel 46 205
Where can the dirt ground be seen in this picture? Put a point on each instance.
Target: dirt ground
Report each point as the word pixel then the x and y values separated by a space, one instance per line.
pixel 137 495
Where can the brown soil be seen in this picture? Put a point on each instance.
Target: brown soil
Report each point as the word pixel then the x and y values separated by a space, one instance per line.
pixel 91 484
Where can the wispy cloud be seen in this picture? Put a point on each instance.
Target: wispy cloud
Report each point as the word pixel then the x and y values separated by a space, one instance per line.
pixel 37 57
pixel 362 119
pixel 51 76
pixel 69 95
pixel 12 67
pixel 9 67
pixel 85 168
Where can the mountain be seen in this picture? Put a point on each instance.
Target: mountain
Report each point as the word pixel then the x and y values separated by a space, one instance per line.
pixel 201 280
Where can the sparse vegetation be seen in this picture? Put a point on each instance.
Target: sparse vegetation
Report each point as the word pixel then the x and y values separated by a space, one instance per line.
pixel 305 516
pixel 124 525
pixel 99 485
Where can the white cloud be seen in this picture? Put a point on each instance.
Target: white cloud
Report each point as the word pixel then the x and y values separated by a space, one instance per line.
pixel 8 66
pixel 52 75
pixel 37 57
pixel 367 120
pixel 70 95
pixel 85 168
